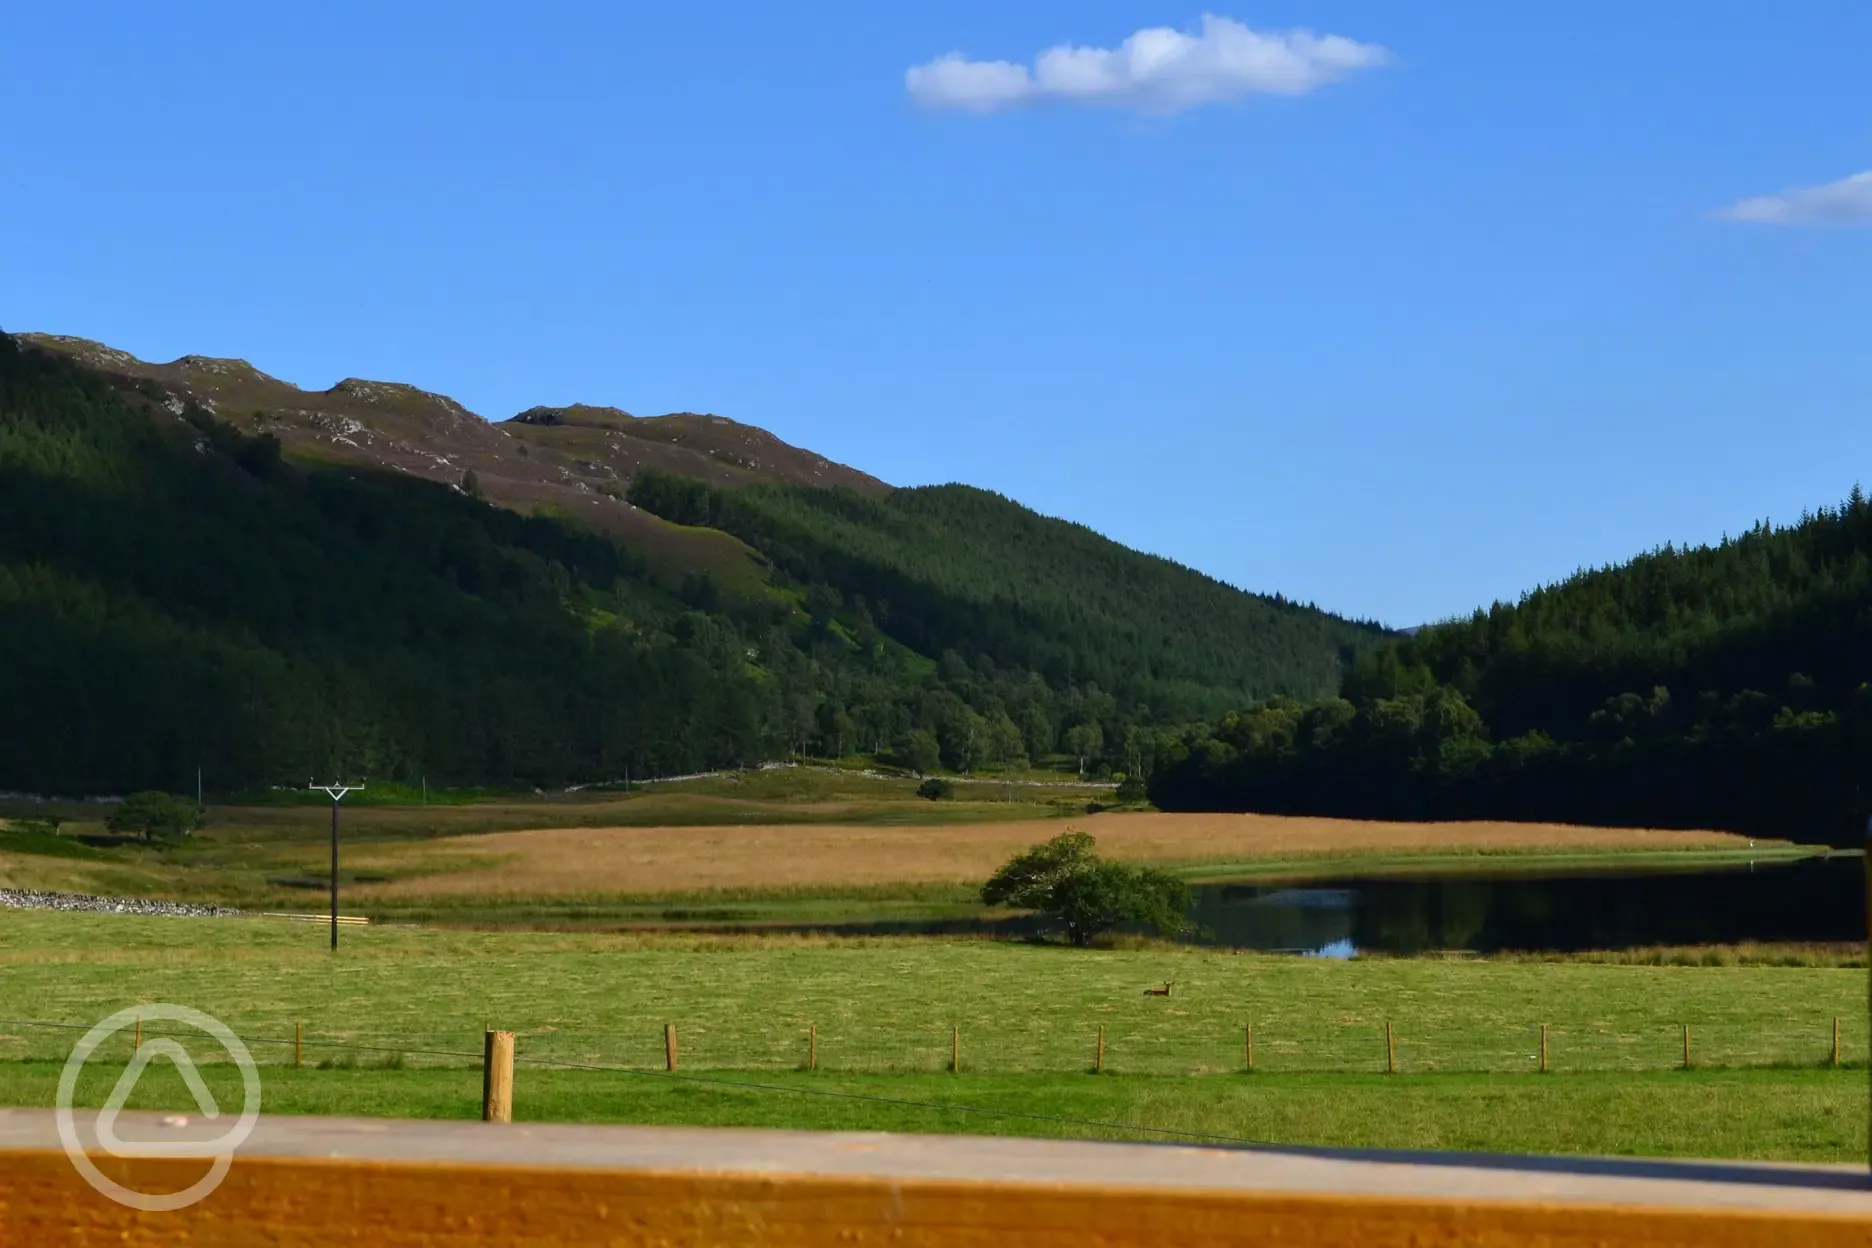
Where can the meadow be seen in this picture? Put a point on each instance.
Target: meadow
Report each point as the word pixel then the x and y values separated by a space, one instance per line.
pixel 889 1005
pixel 682 860
pixel 587 922
pixel 1778 1115
pixel 392 1024
pixel 797 847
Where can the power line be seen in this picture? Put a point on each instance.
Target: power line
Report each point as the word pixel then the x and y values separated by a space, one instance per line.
pixel 337 792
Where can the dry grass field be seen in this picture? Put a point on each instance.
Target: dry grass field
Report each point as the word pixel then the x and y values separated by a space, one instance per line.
pixel 782 846
pixel 649 861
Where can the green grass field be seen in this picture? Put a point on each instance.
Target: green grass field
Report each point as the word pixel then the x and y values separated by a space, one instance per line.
pixel 396 1018
pixel 888 1005
pixel 393 1024
pixel 1785 1115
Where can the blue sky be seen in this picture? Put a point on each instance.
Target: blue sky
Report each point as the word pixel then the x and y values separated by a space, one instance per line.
pixel 1401 321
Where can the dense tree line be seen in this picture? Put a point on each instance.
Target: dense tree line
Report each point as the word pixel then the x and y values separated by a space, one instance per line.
pixel 956 568
pixel 175 594
pixel 1723 686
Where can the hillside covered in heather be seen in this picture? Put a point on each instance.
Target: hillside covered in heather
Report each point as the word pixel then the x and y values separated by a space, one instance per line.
pixel 201 565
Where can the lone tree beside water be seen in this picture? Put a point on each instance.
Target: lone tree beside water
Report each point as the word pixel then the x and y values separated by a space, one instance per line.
pixel 1087 894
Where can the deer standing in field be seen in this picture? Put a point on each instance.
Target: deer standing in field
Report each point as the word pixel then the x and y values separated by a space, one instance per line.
pixel 1160 992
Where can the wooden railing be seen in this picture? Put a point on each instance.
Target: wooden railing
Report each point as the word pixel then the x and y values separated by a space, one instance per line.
pixel 325 1182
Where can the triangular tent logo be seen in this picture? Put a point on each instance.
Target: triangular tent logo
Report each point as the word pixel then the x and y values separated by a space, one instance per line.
pixel 126 1083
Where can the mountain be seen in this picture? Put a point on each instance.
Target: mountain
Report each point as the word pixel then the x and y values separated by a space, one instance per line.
pixel 1725 686
pixel 212 567
pixel 573 461
pixel 953 568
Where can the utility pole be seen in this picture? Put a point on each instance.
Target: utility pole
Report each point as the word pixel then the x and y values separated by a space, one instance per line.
pixel 337 792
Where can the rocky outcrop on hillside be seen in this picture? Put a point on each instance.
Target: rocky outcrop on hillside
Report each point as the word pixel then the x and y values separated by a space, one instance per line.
pixel 575 460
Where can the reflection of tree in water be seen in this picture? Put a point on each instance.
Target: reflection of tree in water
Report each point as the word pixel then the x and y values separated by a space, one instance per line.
pixel 1412 916
pixel 1465 909
pixel 1389 919
pixel 1818 900
pixel 1250 917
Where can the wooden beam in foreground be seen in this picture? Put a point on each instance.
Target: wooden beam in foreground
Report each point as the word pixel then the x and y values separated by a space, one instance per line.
pixel 337 1181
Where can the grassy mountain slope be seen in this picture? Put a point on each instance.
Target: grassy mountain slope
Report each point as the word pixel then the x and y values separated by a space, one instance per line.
pixel 953 568
pixel 943 569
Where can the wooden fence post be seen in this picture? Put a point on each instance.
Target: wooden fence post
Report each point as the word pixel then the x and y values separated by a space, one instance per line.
pixel 497 1077
pixel 812 1046
pixel 1543 1048
pixel 669 1046
pixel 1098 1062
pixel 1836 1041
pixel 139 1033
pixel 1390 1045
pixel 955 1050
pixel 298 1045
pixel 1248 1046
pixel 1686 1064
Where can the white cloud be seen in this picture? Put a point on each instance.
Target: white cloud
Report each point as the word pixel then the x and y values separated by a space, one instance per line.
pixel 1845 202
pixel 1156 70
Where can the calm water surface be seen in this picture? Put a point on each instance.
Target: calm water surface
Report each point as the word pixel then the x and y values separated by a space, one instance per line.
pixel 1816 899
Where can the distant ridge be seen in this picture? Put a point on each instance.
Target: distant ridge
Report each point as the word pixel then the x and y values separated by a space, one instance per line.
pixel 577 460
pixel 205 566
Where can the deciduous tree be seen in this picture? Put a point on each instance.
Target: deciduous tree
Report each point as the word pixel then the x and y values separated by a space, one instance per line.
pixel 1087 894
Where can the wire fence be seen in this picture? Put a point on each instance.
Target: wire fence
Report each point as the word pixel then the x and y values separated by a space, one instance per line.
pixel 947 1108
pixel 1020 1047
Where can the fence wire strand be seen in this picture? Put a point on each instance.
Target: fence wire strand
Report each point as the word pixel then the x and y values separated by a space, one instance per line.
pixel 1572 1046
pixel 961 1107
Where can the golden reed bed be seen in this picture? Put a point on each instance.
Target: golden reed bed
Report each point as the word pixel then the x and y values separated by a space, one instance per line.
pixel 587 861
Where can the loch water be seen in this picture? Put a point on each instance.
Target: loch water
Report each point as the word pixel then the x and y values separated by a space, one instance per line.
pixel 1811 899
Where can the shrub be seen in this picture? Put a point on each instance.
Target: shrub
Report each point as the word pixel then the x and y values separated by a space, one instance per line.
pixel 155 816
pixel 1088 894
pixel 936 789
